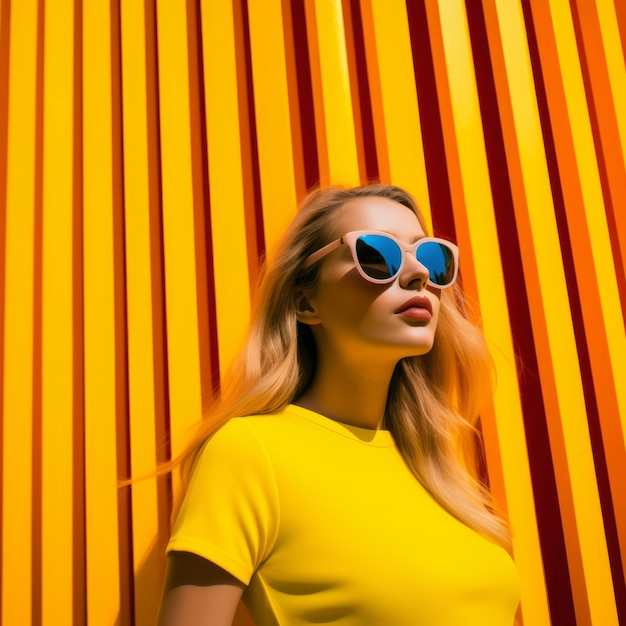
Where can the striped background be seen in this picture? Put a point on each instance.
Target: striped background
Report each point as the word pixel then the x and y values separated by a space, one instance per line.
pixel 150 151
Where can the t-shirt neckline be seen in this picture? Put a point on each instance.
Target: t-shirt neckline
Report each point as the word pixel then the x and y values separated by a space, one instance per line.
pixel 369 436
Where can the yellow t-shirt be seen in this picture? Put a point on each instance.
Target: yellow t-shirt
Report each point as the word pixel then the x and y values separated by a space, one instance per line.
pixel 326 525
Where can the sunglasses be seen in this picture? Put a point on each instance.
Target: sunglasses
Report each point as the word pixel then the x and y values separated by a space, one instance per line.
pixel 379 256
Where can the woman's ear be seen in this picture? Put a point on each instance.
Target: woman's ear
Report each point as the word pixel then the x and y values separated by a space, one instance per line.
pixel 305 311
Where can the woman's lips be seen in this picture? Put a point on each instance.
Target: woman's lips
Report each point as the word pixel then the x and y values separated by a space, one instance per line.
pixel 418 307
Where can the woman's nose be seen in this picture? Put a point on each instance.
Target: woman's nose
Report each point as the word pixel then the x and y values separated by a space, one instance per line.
pixel 414 275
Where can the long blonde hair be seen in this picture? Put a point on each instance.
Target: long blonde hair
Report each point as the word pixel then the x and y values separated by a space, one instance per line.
pixel 433 401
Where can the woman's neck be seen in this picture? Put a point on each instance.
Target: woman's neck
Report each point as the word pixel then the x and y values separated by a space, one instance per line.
pixel 349 395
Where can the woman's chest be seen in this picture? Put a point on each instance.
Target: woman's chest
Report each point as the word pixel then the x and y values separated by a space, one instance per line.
pixel 359 536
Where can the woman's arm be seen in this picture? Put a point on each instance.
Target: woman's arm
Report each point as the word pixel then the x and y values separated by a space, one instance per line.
pixel 198 593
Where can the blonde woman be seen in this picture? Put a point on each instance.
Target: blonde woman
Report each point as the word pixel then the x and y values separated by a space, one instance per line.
pixel 330 484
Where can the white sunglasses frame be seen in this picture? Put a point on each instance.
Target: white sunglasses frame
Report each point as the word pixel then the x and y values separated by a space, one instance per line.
pixel 350 240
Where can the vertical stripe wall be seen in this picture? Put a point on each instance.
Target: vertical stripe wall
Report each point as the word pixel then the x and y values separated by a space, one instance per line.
pixel 152 151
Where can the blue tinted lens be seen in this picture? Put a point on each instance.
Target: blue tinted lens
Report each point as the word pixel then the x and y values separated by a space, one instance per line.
pixel 439 261
pixel 378 256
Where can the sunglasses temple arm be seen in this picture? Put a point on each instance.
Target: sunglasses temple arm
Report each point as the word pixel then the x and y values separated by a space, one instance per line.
pixel 322 252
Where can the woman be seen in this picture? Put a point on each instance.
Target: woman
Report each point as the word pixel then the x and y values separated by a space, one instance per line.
pixel 330 484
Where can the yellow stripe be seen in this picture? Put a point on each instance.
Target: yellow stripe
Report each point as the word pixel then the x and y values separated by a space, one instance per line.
pixel 336 139
pixel 394 99
pixel 17 472
pixel 476 230
pixel 101 341
pixel 144 318
pixel 59 402
pixel 225 178
pixel 273 118
pixel 180 207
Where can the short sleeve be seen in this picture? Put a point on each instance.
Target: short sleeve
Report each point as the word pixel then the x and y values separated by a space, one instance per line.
pixel 229 513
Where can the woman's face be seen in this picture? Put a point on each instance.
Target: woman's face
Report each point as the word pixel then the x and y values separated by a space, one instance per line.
pixel 356 319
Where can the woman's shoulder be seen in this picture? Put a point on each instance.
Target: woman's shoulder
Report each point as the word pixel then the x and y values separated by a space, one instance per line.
pixel 241 439
pixel 247 427
pixel 236 448
pixel 259 426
